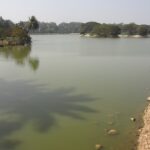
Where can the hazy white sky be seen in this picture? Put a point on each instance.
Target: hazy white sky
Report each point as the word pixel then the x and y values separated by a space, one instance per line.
pixel 109 11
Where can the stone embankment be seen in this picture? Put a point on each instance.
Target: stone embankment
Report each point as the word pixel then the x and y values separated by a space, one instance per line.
pixel 144 137
pixel 9 42
pixel 12 41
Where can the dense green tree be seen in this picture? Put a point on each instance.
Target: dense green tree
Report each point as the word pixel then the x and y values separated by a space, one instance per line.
pixel 5 32
pixel 106 30
pixel 130 29
pixel 143 30
pixel 5 27
pixel 101 30
pixel 115 30
pixel 148 29
pixel 20 33
pixel 33 23
pixel 24 25
pixel 88 27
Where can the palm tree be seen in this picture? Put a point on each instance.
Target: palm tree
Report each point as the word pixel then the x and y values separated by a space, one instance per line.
pixel 33 23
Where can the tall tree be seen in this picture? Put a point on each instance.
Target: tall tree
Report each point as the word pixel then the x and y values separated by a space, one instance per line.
pixel 33 23
pixel 143 30
pixel 115 30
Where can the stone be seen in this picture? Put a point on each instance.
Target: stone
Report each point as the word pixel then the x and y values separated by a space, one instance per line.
pixel 144 134
pixel 148 99
pixel 112 132
pixel 98 147
pixel 133 119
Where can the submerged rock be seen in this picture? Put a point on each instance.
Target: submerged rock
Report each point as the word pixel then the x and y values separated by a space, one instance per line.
pixel 148 99
pixel 98 147
pixel 133 119
pixel 112 132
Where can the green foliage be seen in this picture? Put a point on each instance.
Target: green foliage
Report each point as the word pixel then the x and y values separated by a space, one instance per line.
pixel 106 30
pixel 18 32
pixel 4 32
pixel 24 25
pixel 88 27
pixel 93 28
pixel 113 30
pixel 21 34
pixel 22 29
pixel 148 29
pixel 130 29
pixel 5 27
pixel 33 23
pixel 15 34
pixel 143 30
pixel 62 28
pixel 101 30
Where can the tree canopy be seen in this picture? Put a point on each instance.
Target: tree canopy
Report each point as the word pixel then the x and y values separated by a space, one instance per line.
pixel 33 23
pixel 62 28
pixel 16 33
pixel 114 30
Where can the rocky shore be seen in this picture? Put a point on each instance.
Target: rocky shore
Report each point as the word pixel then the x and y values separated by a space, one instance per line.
pixel 11 41
pixel 144 136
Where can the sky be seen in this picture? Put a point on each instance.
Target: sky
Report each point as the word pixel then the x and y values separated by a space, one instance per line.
pixel 103 11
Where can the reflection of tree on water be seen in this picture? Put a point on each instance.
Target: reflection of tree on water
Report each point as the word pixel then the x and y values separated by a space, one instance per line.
pixel 21 56
pixel 21 102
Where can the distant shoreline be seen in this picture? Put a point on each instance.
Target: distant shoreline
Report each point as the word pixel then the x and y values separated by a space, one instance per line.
pixel 88 35
pixel 92 36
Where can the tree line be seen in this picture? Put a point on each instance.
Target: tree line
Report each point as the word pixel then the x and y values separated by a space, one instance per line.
pixel 114 30
pixel 23 28
pixel 52 27
pixel 62 28
pixel 94 28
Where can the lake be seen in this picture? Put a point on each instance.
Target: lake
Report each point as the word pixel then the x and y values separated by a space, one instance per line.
pixel 66 92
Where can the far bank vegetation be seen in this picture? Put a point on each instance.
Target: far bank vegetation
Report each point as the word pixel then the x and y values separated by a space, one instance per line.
pixel 94 29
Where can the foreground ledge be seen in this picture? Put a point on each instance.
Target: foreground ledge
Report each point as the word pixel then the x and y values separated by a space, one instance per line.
pixel 9 41
pixel 144 137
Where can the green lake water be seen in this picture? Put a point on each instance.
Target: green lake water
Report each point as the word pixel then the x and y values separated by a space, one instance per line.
pixel 66 92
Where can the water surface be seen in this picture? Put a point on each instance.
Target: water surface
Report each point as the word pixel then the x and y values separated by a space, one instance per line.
pixel 65 92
